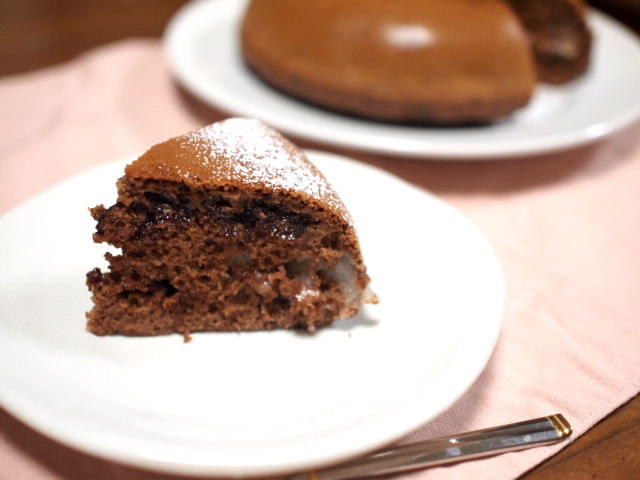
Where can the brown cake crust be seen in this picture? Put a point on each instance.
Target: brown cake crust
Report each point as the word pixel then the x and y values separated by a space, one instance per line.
pixel 239 153
pixel 560 37
pixel 226 228
pixel 410 61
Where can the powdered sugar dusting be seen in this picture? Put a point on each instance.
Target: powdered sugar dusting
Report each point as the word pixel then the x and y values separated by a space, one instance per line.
pixel 253 153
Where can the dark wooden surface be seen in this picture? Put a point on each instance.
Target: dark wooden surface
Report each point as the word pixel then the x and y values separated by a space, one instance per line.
pixel 38 33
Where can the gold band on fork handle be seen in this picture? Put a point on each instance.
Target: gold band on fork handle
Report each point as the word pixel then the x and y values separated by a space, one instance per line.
pixel 441 451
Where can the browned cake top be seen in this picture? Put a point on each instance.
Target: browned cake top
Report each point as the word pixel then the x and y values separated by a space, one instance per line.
pixel 242 153
pixel 453 50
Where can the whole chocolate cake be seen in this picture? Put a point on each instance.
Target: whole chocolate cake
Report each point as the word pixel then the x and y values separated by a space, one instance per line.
pixel 445 61
pixel 226 228
pixel 436 61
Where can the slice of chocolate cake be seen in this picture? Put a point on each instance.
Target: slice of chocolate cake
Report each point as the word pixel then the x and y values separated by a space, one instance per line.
pixel 226 228
pixel 559 35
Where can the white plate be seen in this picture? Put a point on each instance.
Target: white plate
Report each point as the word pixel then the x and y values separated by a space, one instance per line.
pixel 236 404
pixel 202 48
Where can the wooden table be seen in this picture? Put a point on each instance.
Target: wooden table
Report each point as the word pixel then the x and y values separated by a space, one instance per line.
pixel 37 33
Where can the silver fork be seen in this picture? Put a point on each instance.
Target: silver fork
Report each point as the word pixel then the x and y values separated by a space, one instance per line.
pixel 441 451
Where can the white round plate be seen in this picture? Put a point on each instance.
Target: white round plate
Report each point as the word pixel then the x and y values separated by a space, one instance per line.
pixel 234 404
pixel 202 48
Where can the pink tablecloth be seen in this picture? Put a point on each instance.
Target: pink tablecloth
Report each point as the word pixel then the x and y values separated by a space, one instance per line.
pixel 566 228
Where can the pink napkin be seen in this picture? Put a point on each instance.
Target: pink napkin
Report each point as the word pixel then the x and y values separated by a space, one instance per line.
pixel 565 226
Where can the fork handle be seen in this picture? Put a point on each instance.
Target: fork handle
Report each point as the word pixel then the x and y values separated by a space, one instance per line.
pixel 441 451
